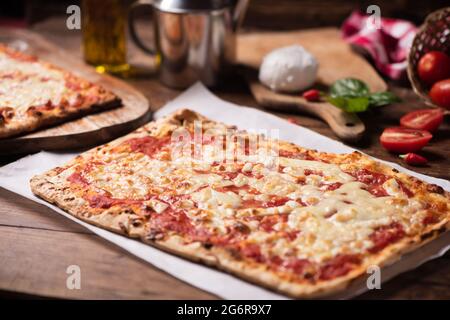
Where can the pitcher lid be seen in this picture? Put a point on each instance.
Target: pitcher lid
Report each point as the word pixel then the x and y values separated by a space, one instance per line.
pixel 180 6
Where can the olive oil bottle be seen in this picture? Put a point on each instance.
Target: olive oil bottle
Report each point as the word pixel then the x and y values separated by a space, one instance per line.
pixel 104 35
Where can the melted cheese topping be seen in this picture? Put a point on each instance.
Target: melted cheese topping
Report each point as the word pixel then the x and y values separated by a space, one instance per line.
pixel 27 83
pixel 333 222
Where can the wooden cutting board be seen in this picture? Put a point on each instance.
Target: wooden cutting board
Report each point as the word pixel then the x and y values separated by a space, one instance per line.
pixel 89 130
pixel 336 60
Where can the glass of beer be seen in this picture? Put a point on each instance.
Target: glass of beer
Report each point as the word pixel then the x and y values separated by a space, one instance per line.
pixel 104 35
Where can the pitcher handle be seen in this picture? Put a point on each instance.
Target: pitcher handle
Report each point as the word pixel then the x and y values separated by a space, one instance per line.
pixel 132 27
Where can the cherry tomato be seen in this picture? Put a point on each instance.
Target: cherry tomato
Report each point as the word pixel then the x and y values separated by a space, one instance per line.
pixel 414 159
pixel 312 95
pixel 440 93
pixel 433 66
pixel 404 140
pixel 425 119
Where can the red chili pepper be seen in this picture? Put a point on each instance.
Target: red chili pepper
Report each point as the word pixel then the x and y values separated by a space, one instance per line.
pixel 414 159
pixel 311 95
pixel 292 120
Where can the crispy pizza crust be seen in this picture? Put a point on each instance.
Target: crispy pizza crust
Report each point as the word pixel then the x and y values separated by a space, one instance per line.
pixel 54 189
pixel 40 119
pixel 30 123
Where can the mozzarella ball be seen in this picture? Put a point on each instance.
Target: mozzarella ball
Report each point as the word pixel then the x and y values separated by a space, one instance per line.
pixel 288 69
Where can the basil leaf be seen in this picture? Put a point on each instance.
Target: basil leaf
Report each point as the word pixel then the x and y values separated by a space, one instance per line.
pixel 359 104
pixel 353 95
pixel 339 102
pixel 379 99
pixel 349 88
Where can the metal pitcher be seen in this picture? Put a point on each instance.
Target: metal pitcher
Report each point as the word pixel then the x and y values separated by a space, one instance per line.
pixel 194 39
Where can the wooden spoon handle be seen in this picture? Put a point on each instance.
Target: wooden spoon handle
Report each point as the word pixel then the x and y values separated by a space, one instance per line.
pixel 346 126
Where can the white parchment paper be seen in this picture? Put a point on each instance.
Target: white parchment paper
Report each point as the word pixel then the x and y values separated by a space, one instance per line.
pixel 15 177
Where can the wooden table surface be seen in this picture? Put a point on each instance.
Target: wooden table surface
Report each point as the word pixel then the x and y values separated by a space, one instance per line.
pixel 37 244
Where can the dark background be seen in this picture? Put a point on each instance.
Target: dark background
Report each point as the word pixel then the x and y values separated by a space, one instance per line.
pixel 267 14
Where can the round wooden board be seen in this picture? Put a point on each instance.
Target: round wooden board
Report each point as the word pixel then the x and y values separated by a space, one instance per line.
pixel 89 130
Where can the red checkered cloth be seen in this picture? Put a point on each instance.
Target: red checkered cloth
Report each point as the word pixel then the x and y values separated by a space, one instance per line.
pixel 388 45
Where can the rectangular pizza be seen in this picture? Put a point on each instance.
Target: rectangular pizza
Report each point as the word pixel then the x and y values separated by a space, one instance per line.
pixel 34 94
pixel 298 221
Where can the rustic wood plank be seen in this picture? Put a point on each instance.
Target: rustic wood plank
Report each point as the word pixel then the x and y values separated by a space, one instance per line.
pixel 429 281
pixel 17 211
pixel 294 14
pixel 40 258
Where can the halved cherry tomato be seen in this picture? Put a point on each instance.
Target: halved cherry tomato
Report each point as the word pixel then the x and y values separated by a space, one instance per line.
pixel 404 140
pixel 440 93
pixel 424 119
pixel 433 66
